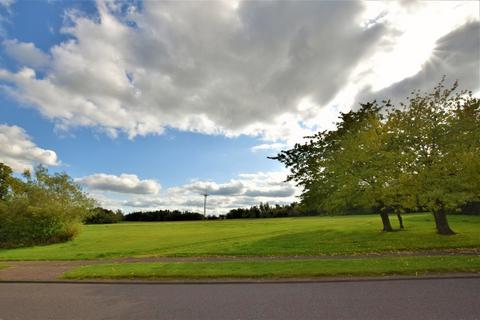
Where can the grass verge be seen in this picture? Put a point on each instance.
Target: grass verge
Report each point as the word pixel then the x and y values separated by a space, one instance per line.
pixel 279 269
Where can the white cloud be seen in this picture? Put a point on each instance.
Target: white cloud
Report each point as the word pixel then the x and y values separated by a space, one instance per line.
pixel 279 70
pixel 143 203
pixel 18 151
pixel 268 147
pixel 418 26
pixel 282 192
pixel 224 189
pixel 456 55
pixel 26 53
pixel 124 183
pixel 244 191
pixel 216 69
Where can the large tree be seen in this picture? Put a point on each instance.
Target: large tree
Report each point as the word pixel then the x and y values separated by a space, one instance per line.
pixel 364 162
pixel 345 167
pixel 440 148
pixel 424 154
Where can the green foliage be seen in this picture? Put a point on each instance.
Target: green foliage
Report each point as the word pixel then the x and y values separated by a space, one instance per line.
pixel 5 181
pixel 103 216
pixel 40 209
pixel 422 155
pixel 264 210
pixel 440 137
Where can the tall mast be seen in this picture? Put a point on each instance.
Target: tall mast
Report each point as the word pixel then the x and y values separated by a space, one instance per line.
pixel 205 195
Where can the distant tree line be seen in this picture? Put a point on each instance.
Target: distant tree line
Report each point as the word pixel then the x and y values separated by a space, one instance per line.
pixel 163 215
pixel 265 210
pixel 100 215
pixel 420 155
pixel 470 208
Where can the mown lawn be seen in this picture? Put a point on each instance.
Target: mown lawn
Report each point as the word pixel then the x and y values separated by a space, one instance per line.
pixel 279 269
pixel 338 235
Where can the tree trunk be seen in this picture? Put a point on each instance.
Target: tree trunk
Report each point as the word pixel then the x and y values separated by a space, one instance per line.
pixel 442 223
pixel 387 227
pixel 400 220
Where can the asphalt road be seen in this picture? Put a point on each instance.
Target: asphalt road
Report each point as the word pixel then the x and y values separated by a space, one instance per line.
pixel 398 299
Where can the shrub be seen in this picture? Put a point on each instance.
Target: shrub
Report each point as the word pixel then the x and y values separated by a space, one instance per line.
pixel 41 209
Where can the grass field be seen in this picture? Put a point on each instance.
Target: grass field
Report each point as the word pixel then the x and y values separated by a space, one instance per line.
pixel 279 269
pixel 338 235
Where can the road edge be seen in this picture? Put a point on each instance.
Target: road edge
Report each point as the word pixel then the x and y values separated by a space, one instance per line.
pixel 251 280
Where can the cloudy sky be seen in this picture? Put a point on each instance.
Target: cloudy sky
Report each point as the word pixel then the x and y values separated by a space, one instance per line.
pixel 148 104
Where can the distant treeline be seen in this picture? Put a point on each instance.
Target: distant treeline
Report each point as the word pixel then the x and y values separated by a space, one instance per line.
pixel 102 216
pixel 470 208
pixel 263 210
pixel 163 215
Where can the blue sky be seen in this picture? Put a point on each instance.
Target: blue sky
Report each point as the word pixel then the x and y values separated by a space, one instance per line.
pixel 175 157
pixel 147 104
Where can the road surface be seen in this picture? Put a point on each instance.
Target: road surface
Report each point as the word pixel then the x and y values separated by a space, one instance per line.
pixel 397 299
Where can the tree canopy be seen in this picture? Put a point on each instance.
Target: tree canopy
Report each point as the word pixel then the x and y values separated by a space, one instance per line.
pixel 420 155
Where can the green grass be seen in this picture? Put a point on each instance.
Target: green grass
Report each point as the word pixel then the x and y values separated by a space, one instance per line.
pixel 3 266
pixel 279 269
pixel 341 235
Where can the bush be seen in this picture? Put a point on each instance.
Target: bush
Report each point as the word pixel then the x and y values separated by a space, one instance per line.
pixel 104 216
pixel 41 209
